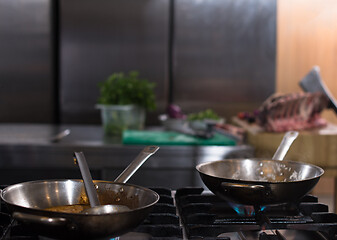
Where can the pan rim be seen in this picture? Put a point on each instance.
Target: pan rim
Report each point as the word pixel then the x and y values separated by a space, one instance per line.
pixel 319 169
pixel 3 191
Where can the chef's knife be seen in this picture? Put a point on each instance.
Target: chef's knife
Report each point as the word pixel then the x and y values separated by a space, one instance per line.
pixel 206 134
pixel 313 82
pixel 181 126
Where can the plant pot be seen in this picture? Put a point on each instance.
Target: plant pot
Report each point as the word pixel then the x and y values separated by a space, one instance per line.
pixel 117 118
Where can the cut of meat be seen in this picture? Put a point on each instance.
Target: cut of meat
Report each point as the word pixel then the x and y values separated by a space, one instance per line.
pixel 294 111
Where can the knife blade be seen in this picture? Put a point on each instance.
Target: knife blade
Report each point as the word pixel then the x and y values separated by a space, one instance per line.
pixel 313 82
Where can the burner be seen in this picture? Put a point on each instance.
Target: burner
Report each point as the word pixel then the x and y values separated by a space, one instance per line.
pixel 245 210
pixel 204 214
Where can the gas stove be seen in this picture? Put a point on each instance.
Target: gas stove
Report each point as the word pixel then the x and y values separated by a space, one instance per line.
pixel 193 213
pixel 205 216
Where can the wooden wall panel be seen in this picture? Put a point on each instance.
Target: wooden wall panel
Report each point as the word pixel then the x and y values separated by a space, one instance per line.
pixel 306 36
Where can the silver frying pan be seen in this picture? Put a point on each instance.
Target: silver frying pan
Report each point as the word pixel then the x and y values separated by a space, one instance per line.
pixel 28 203
pixel 259 182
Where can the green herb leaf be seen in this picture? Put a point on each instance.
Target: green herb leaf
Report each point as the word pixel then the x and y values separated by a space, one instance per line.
pixel 207 114
pixel 124 89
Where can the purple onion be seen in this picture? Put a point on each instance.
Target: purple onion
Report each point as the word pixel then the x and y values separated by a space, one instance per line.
pixel 174 111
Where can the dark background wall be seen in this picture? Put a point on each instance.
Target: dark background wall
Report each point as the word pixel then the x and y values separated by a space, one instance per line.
pixel 201 54
pixel 27 73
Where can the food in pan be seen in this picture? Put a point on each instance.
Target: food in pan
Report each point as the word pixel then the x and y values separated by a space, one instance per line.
pixel 76 208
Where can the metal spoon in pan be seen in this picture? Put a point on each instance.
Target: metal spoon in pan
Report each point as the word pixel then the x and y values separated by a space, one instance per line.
pixel 96 208
pixel 288 139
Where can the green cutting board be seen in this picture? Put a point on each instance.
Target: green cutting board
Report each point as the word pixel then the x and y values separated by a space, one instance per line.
pixel 138 137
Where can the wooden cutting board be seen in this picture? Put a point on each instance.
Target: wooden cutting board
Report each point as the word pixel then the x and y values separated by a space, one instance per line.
pixel 318 147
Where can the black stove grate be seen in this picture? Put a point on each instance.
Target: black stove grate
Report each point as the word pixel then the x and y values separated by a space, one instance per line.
pixel 205 216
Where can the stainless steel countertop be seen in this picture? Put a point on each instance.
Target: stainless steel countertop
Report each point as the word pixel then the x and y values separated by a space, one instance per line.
pixel 23 145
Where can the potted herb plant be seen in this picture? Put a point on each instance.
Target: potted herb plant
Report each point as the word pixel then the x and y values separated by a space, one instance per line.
pixel 124 100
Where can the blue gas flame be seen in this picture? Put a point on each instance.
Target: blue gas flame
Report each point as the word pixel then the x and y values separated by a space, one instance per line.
pixel 245 210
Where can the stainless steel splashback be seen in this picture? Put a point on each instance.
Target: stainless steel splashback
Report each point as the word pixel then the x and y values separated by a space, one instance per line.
pixel 224 54
pixel 26 61
pixel 106 36
pixel 202 54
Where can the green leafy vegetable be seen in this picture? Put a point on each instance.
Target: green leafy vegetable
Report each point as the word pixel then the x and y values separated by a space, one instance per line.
pixel 207 114
pixel 125 89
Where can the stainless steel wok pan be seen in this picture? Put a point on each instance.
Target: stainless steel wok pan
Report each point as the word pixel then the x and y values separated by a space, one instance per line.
pixel 260 182
pixel 27 200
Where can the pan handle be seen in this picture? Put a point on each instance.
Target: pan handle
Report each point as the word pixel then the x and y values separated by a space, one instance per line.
pixel 136 163
pixel 47 221
pixel 286 142
pixel 240 185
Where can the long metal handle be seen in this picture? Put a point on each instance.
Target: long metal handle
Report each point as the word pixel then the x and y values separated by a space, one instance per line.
pixel 88 183
pixel 287 140
pixel 135 164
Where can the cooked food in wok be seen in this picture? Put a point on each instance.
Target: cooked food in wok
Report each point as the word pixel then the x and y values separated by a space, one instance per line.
pixel 87 209
pixel 76 208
